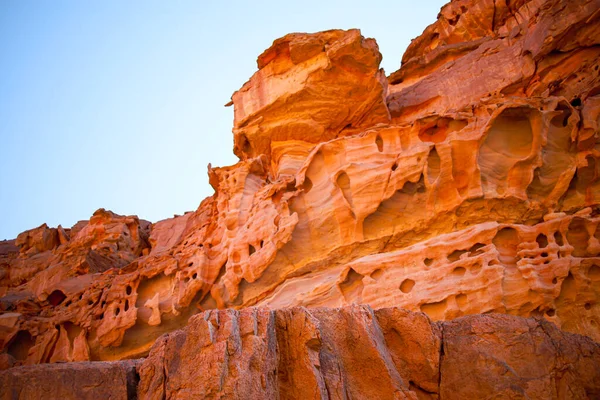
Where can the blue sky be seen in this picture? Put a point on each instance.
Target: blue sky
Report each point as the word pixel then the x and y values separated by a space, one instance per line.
pixel 119 104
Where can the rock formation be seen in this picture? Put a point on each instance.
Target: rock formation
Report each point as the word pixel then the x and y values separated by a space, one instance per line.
pixel 352 352
pixel 464 183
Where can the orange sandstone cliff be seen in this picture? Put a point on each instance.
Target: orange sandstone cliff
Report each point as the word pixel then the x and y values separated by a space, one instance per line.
pixel 369 223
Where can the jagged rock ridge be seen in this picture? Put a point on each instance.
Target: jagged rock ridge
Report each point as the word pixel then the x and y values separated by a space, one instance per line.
pixel 465 183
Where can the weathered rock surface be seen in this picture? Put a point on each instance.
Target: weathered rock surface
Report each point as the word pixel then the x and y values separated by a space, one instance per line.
pixel 360 353
pixel 72 381
pixel 353 352
pixel 465 183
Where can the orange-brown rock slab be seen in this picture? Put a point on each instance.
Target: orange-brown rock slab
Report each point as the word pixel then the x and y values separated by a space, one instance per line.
pixel 499 356
pixel 356 352
pixel 72 381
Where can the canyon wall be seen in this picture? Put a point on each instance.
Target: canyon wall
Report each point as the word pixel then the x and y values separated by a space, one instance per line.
pixel 464 183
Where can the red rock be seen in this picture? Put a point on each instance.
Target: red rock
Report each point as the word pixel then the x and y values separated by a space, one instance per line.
pixel 81 380
pixel 360 353
pixel 295 95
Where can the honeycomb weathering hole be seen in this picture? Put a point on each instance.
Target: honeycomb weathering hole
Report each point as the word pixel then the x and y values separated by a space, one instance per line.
pixel 435 310
pixel 20 344
pixel 542 241
pixel 343 182
pixel 352 286
pixel 506 242
pixel 56 297
pixel 511 134
pixel 433 165
pixel 509 139
pixel 407 285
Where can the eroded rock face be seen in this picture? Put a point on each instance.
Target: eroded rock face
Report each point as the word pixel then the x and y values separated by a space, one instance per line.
pixel 355 352
pixel 465 183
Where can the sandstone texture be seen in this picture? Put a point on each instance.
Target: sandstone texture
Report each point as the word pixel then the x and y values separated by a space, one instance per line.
pixel 72 381
pixel 360 353
pixel 353 352
pixel 466 182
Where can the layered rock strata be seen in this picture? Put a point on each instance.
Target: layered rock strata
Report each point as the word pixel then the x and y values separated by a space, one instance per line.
pixel 465 183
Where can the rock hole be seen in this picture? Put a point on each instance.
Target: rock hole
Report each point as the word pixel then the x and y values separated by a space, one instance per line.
pixel 576 102
pixel 476 249
pixel 554 280
pixel 377 274
pixel 558 238
pixel 343 182
pixel 459 271
pixel 251 250
pixel 195 276
pixel 433 166
pixel 352 286
pixel 56 297
pixel 128 290
pixel 587 306
pixel 407 285
pixel 544 254
pixel 578 236
pixel 262 243
pixel 395 166
pixel 413 187
pixel 506 242
pixel 379 143
pixel 307 184
pixel 550 312
pixel 455 255
pixel 72 331
pixel 428 261
pixel 461 300
pixel 509 139
pixel 542 241
pixel 20 344
pixel 435 310
pixel 126 306
pixel 235 257
pixel 568 289
pixel 117 311
pixel 245 144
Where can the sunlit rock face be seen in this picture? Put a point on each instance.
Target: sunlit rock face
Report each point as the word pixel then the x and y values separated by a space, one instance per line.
pixel 359 353
pixel 464 183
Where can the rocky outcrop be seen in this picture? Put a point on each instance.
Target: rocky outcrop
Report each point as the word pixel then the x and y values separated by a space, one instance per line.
pixel 353 352
pixel 360 353
pixel 72 381
pixel 465 183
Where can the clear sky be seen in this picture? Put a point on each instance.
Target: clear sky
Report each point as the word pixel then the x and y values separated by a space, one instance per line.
pixel 119 104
